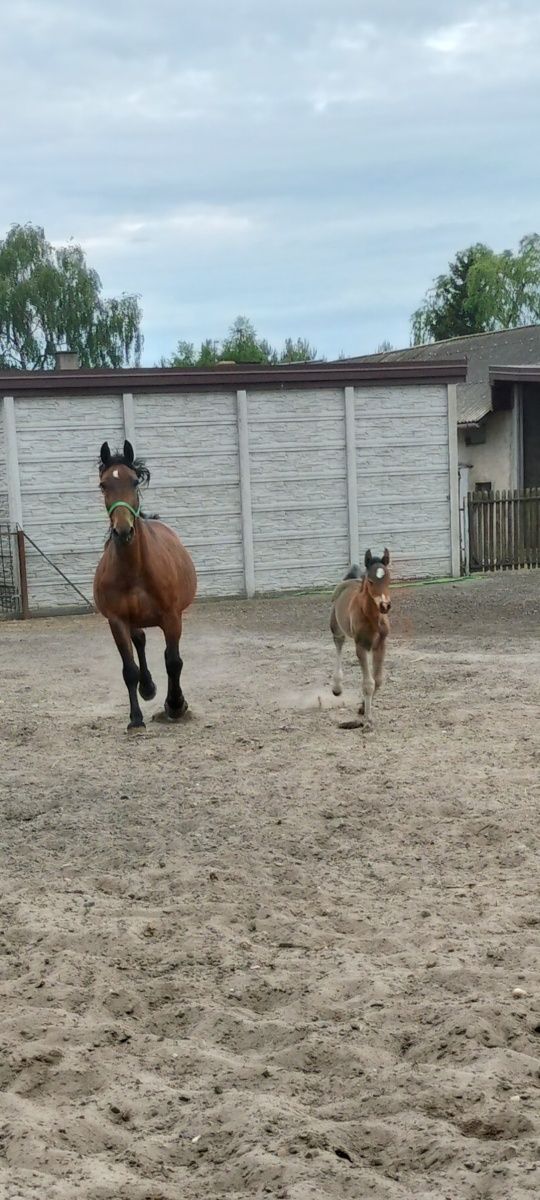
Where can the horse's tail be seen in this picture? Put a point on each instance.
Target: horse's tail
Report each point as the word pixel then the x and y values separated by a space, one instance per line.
pixel 354 573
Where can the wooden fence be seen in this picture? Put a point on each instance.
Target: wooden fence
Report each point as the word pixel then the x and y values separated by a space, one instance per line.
pixel 504 529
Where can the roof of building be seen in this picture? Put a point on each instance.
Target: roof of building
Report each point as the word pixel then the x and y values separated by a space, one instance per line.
pixel 473 403
pixel 517 374
pixel 485 352
pixel 137 379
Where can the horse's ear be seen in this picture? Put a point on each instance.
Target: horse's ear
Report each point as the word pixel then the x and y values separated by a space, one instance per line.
pixel 129 453
pixel 105 454
pixel 368 559
pixel 386 557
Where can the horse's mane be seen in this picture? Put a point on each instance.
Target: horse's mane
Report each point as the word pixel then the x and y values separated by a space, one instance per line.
pixel 119 460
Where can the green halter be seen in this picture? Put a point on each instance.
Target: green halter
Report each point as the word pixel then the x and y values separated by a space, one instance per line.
pixel 124 504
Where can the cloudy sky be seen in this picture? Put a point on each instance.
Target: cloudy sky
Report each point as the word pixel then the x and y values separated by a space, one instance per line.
pixel 310 163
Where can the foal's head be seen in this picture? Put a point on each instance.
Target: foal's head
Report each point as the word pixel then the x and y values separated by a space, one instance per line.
pixel 377 580
pixel 120 477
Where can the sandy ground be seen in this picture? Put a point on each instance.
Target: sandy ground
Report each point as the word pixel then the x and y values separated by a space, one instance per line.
pixel 258 955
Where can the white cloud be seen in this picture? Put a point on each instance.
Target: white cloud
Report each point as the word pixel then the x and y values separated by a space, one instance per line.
pixel 354 39
pixel 160 93
pixel 206 225
pixel 308 162
pixel 452 39
pixel 498 37
pixel 331 93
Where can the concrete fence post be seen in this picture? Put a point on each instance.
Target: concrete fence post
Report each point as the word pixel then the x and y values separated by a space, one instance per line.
pixel 245 491
pixel 352 473
pixel 453 469
pixel 129 419
pixel 12 464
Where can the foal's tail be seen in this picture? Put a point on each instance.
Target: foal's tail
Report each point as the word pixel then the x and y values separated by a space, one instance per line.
pixel 354 573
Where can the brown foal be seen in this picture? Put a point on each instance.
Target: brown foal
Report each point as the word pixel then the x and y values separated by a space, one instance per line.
pixel 360 607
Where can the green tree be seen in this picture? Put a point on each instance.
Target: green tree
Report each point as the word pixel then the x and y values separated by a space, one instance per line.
pixel 242 344
pixel 208 354
pixel 482 291
pixel 185 355
pixel 505 288
pixel 49 296
pixel 299 351
pixel 384 347
pixel 447 310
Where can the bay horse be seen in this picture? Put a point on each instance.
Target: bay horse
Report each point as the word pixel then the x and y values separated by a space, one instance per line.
pixel 360 607
pixel 145 578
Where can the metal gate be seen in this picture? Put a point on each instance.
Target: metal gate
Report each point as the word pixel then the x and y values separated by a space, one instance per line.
pixel 10 600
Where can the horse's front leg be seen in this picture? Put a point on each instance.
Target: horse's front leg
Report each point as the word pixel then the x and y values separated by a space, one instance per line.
pixel 339 642
pixel 147 687
pixel 379 652
pixel 176 703
pixel 368 684
pixel 122 636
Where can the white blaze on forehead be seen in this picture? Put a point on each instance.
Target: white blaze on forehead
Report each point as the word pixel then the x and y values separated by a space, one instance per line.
pixel 380 572
pixel 116 475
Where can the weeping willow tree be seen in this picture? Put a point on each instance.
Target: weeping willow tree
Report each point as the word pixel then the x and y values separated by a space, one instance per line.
pixel 49 296
pixel 482 291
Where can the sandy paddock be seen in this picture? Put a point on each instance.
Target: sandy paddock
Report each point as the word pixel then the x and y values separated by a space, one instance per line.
pixel 258 955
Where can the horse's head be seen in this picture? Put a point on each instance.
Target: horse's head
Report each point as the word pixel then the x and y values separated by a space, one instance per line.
pixel 377 580
pixel 120 477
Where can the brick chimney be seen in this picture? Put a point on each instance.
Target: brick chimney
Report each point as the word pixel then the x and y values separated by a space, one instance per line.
pixel 66 360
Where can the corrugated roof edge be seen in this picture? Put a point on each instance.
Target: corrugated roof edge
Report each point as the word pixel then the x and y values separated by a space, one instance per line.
pixel 407 352
pixel 166 378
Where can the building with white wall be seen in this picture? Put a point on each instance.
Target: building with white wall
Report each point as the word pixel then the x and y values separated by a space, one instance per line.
pixel 275 477
pixel 498 404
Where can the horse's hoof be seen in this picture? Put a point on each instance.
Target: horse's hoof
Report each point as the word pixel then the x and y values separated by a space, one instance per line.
pixel 171 716
pixel 148 693
pixel 136 728
pixel 337 689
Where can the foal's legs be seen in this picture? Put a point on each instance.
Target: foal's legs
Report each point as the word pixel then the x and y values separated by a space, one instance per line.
pixel 131 673
pixel 175 704
pixel 364 658
pixel 339 642
pixel 378 668
pixel 378 662
pixel 147 687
